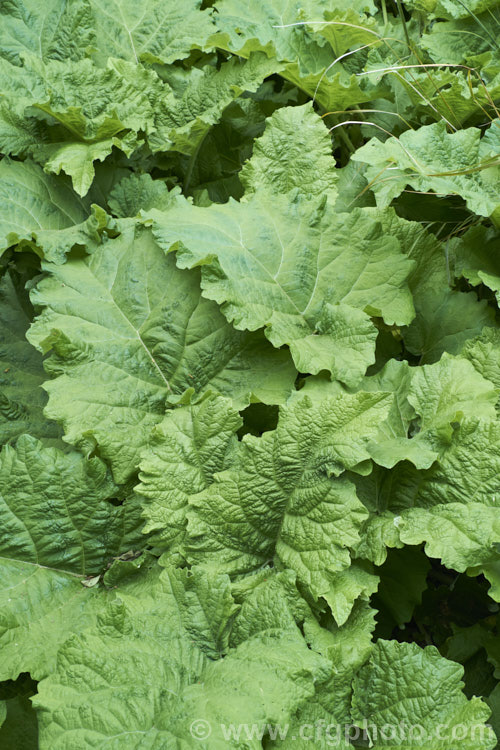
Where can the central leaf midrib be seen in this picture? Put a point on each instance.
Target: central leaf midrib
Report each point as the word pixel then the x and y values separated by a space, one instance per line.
pixel 134 329
pixel 43 567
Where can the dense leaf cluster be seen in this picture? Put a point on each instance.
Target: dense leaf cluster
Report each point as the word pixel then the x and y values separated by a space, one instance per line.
pixel 249 374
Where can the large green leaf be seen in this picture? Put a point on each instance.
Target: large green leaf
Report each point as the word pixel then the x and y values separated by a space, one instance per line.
pixel 296 269
pixel 458 40
pixel 430 158
pixel 454 512
pixel 275 26
pixel 476 258
pixel 140 656
pixel 484 353
pixel 128 329
pixel 155 32
pixel 406 696
pixel 462 535
pixel 294 152
pixel 456 425
pixel 325 718
pixel 443 393
pixel 235 509
pixel 256 616
pixel 137 192
pixel 184 115
pixel 57 29
pixel 451 8
pixel 85 112
pixel 215 166
pixel 58 526
pixel 187 448
pixel 205 606
pixel 283 499
pixel 445 317
pixel 41 209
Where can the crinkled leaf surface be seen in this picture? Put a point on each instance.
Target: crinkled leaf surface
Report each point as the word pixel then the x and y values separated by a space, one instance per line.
pixel 461 535
pixel 456 427
pixel 184 116
pixel 347 648
pixel 153 32
pixel 273 497
pixel 135 193
pixel 76 113
pixel 403 683
pixel 294 152
pixel 476 258
pixel 482 351
pixel 452 506
pixel 271 27
pixel 54 30
pixel 284 500
pixel 445 317
pixel 451 8
pixel 432 159
pixel 58 526
pixel 295 384
pixel 443 393
pixel 272 267
pixel 191 444
pixel 128 329
pixel 37 208
pixel 167 681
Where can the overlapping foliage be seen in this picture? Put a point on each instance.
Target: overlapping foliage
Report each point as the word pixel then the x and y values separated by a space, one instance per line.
pixel 249 374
